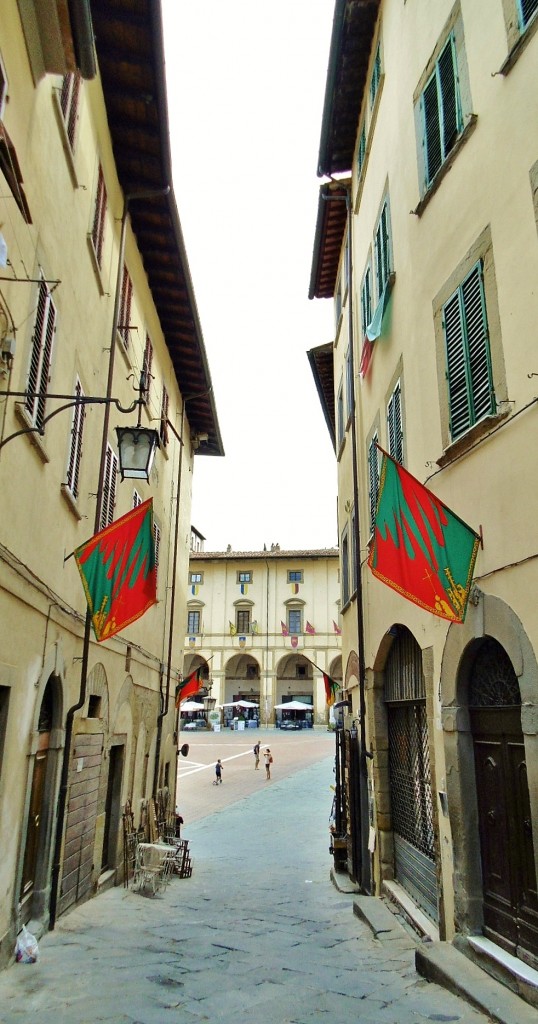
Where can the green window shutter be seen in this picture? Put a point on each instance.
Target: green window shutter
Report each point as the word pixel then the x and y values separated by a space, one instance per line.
pixel 361 152
pixel 373 479
pixel 441 111
pixel 448 86
pixel 366 300
pixel 394 424
pixel 527 9
pixel 470 389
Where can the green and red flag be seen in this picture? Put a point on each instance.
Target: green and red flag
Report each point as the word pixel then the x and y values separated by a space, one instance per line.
pixel 189 686
pixel 421 548
pixel 331 689
pixel 117 568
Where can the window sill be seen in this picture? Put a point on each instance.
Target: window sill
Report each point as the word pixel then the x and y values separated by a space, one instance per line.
pixel 446 167
pixel 519 46
pixel 468 440
pixel 70 501
pixel 36 439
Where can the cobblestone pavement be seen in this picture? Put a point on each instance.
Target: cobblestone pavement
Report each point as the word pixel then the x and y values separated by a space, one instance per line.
pixel 257 933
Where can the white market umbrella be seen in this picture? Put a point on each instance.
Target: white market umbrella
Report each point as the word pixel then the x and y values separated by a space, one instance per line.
pixel 294 705
pixel 245 704
pixel 192 705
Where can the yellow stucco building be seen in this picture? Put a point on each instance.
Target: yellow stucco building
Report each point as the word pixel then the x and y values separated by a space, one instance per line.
pixel 427 242
pixel 97 313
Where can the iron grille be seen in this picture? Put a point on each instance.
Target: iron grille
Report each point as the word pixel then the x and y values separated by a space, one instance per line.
pixel 410 780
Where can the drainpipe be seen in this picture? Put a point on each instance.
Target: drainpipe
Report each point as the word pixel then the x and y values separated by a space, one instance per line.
pixel 64 778
pixel 365 879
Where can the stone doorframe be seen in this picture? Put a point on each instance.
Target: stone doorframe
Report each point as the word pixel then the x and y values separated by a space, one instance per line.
pixel 490 616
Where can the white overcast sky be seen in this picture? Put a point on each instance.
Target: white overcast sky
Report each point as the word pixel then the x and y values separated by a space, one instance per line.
pixel 246 83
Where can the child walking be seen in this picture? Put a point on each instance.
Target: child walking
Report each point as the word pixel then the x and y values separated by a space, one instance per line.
pixel 218 773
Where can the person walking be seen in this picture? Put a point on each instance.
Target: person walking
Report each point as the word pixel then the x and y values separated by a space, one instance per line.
pixel 268 759
pixel 218 772
pixel 256 752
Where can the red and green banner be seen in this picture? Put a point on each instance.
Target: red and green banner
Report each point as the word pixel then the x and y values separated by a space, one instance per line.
pixel 421 548
pixel 117 568
pixel 189 686
pixel 331 689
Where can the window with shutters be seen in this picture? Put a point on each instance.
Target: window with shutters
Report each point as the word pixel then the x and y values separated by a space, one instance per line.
pixel 349 383
pixel 163 429
pixel 69 103
pixel 340 415
pixel 361 151
pixel 75 448
pixel 242 620
pixel 344 562
pixel 471 395
pixel 441 111
pixel 443 108
pixel 98 227
pixel 137 499
pixel 527 9
pixel 295 625
pixel 382 249
pixel 193 622
pixel 366 299
pixel 146 367
pixel 126 298
pixel 373 478
pixel 108 501
pixel 157 545
pixel 376 76
pixel 394 424
pixel 41 356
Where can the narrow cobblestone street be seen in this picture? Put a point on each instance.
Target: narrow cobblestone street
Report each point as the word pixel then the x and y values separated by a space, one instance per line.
pixel 259 932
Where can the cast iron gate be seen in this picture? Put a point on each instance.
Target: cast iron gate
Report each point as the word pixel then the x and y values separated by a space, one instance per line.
pixel 409 773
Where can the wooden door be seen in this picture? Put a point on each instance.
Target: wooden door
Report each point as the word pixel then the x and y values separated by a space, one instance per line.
pixel 35 817
pixel 506 843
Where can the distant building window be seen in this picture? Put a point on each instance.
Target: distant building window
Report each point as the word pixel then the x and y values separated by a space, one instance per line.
pixel 344 559
pixel 137 499
pixel 441 110
pixel 294 620
pixel 340 415
pixel 295 575
pixel 196 577
pixel 242 620
pixel 193 622
pixel 366 300
pixel 244 577
pixel 361 151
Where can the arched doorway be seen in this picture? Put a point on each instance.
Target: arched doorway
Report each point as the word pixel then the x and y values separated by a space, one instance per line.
pixel 410 783
pixel 510 903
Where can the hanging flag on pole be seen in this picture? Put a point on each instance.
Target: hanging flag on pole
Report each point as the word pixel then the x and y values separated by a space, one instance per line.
pixel 331 689
pixel 189 686
pixel 117 568
pixel 337 629
pixel 421 548
pixel 284 628
pixel 310 629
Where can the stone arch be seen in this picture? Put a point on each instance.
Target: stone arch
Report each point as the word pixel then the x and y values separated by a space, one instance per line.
pixel 487 616
pixel 97 688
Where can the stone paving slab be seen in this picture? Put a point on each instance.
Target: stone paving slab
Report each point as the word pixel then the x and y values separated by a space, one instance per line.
pixel 259 932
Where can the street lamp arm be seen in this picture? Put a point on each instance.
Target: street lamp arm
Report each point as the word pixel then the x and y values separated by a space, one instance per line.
pixel 70 403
